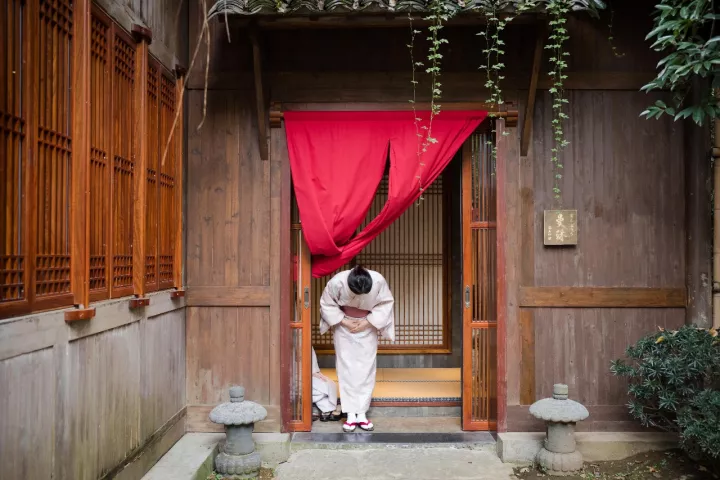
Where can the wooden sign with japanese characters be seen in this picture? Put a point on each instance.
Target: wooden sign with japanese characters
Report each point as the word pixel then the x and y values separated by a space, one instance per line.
pixel 560 227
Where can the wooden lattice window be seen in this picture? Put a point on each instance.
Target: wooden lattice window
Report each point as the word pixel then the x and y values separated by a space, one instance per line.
pixel 54 150
pixel 123 165
pixel 100 148
pixel 64 129
pixel 161 175
pixel 153 145
pixel 168 176
pixel 412 256
pixel 13 147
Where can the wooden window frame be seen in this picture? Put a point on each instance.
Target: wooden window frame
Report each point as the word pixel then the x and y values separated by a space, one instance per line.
pixel 79 229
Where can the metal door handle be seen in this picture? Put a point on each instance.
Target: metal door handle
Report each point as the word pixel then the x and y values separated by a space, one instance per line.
pixel 306 295
pixel 467 296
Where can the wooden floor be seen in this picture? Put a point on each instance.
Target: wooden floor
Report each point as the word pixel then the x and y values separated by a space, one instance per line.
pixel 423 385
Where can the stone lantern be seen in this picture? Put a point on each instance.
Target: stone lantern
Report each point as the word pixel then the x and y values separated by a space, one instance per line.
pixel 237 458
pixel 558 455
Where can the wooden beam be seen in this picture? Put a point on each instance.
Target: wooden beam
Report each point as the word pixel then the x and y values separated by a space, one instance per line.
pixel 143 37
pixel 80 178
pixel 370 18
pixel 532 91
pixel 262 119
pixel 602 297
pixel 207 296
pixel 356 86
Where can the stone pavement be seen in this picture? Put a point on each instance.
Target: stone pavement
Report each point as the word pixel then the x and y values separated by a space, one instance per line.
pixel 394 464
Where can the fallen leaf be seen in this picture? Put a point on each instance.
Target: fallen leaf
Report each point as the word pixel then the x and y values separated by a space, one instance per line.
pixel 660 339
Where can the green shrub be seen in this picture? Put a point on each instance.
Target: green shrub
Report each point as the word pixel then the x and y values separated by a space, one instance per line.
pixel 673 385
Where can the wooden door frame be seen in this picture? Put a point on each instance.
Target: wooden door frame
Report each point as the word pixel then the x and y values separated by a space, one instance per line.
pixel 503 117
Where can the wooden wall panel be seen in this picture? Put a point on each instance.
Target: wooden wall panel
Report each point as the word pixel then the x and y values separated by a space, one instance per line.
pixel 624 175
pixel 227 346
pixel 162 370
pixel 228 187
pixel 27 415
pixel 78 402
pixel 575 346
pixel 163 18
pixel 102 399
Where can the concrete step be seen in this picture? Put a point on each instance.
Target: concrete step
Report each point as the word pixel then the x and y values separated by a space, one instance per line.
pixel 399 425
pixel 415 411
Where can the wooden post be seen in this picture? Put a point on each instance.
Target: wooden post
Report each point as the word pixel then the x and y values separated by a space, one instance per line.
pixel 716 230
pixel 180 73
pixel 143 37
pixel 508 270
pixel 261 111
pixel 698 224
pixel 80 161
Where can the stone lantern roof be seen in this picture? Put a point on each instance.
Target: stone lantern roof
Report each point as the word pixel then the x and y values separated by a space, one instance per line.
pixel 238 411
pixel 559 409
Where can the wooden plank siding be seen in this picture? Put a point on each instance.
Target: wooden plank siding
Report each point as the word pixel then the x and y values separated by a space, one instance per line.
pixel 623 174
pixel 231 337
pixel 579 308
pixel 79 402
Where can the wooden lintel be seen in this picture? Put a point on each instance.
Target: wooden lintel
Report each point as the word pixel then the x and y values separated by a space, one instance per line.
pixel 79 314
pixel 262 118
pixel 602 297
pixel 139 302
pixel 177 294
pixel 532 91
pixel 507 111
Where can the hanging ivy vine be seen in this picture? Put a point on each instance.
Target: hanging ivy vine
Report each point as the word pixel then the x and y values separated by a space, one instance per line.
pixel 438 14
pixel 558 10
pixel 498 13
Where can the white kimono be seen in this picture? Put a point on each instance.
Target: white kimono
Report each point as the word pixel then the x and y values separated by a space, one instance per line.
pixel 356 352
pixel 324 390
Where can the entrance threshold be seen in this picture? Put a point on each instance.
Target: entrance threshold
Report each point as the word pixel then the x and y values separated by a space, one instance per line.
pixel 337 440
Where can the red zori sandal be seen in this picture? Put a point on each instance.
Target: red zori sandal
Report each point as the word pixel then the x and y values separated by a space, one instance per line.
pixel 367 426
pixel 349 427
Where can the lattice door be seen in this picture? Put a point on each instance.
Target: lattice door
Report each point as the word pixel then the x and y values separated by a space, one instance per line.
pixel 479 282
pixel 301 361
pixel 410 254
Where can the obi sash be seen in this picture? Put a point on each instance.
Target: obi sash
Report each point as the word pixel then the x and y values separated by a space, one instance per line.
pixel 353 312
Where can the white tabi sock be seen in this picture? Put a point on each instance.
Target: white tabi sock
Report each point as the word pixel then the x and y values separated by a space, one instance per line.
pixel 351 418
pixel 361 418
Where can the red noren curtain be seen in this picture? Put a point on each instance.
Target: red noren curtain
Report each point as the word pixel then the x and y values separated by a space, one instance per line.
pixel 338 159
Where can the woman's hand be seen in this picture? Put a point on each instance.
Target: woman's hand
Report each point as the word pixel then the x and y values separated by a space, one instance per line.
pixel 361 326
pixel 349 323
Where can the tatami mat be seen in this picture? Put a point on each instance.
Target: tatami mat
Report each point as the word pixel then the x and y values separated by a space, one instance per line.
pixel 399 384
